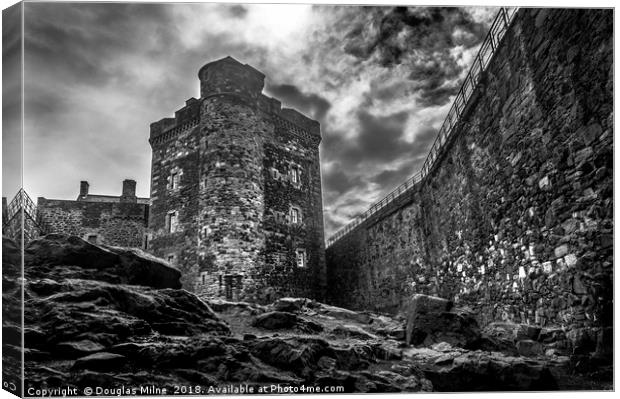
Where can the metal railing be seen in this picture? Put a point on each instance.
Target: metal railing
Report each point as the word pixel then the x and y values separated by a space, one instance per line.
pixel 487 49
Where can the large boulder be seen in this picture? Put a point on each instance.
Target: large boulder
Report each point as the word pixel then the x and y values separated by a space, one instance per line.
pixel 457 370
pixel 75 310
pixel 59 256
pixel 290 304
pixel 285 320
pixel 276 320
pixel 431 320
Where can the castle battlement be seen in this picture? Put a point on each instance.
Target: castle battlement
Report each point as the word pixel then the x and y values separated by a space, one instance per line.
pixel 229 77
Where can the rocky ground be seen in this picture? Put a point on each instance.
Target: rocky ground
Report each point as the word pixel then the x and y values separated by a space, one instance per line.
pixel 117 318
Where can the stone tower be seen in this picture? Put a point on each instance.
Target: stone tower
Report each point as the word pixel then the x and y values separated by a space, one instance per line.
pixel 236 191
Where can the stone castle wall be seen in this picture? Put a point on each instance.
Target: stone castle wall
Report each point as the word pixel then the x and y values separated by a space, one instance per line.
pixel 234 150
pixel 176 152
pixel 111 223
pixel 516 218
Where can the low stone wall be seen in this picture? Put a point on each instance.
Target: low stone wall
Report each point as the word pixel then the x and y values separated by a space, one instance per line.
pixel 111 223
pixel 516 219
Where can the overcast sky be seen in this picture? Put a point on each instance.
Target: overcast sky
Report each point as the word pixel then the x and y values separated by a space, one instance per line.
pixel 380 81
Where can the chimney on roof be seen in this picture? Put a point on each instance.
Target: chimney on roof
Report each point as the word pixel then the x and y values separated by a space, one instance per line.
pixel 83 188
pixel 129 191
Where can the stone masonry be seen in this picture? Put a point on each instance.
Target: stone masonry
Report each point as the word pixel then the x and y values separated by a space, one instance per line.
pixel 516 218
pixel 236 191
pixel 100 219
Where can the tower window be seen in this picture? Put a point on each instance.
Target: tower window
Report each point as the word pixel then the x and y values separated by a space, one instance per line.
pixel 171 258
pixel 295 215
pixel 175 177
pixel 172 221
pixel 295 175
pixel 300 258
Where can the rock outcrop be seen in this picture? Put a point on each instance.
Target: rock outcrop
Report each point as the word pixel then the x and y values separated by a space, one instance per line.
pixel 59 256
pixel 89 322
pixel 114 317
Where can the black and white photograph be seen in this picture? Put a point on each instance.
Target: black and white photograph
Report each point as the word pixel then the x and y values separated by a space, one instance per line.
pixel 218 198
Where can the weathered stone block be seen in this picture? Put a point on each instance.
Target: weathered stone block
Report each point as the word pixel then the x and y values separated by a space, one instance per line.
pixel 529 348
pixel 561 251
pixel 432 320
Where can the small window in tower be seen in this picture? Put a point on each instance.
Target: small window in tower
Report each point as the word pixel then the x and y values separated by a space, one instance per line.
pixel 295 175
pixel 171 258
pixel 175 177
pixel 295 215
pixel 92 238
pixel 300 257
pixel 172 221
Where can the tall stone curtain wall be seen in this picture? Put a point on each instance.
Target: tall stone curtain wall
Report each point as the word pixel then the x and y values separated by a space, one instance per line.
pixel 232 152
pixel 111 223
pixel 516 218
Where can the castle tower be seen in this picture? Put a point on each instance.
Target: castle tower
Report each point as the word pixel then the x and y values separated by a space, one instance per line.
pixel 236 191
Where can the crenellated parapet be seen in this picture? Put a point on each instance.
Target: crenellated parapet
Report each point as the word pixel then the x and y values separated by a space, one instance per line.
pixel 227 77
pixel 167 128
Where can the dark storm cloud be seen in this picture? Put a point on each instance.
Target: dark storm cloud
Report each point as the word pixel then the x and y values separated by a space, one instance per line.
pixel 380 138
pixel 393 177
pixel 380 143
pixel 238 11
pixel 421 39
pixel 389 179
pixel 308 103
pixel 435 78
pixel 80 46
pixel 423 141
pixel 395 34
pixel 80 41
pixel 338 182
